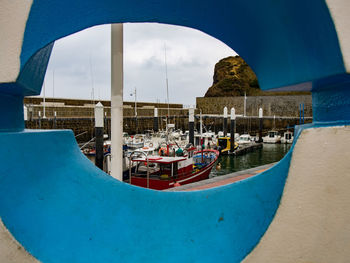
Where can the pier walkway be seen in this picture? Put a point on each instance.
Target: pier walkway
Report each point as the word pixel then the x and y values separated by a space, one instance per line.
pixel 221 180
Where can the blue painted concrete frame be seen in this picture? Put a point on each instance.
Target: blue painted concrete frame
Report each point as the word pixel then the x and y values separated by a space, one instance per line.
pixel 285 42
pixel 63 209
pixel 66 210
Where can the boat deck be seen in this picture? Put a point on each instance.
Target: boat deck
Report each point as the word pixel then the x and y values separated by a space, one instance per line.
pixel 221 180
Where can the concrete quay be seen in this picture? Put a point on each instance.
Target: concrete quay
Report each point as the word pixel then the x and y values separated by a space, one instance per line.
pixel 222 180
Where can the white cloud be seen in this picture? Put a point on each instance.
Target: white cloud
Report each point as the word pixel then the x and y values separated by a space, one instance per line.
pixel 82 61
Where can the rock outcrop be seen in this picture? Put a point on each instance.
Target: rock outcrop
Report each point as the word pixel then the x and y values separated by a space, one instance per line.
pixel 233 77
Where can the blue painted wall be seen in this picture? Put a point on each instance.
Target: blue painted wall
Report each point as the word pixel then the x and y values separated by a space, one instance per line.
pixel 285 42
pixel 331 99
pixel 61 208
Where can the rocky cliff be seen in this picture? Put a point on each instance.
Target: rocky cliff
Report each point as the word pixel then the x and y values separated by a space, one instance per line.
pixel 233 77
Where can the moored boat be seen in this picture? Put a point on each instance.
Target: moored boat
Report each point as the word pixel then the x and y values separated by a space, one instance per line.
pixel 287 137
pixel 272 137
pixel 245 139
pixel 163 172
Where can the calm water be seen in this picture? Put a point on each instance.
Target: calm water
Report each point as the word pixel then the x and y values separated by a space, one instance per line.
pixel 268 154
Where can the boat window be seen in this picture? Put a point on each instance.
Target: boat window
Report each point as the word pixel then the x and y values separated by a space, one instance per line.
pixel 166 168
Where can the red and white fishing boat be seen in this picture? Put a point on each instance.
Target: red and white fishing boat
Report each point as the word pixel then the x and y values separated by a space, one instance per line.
pixel 163 172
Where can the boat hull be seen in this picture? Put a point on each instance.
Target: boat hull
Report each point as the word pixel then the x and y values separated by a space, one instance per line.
pixel 159 184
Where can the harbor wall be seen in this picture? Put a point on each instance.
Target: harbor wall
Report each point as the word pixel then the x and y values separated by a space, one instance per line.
pixel 287 105
pixel 84 127
pixel 78 115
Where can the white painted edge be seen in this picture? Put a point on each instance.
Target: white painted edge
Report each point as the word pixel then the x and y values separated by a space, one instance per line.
pixel 340 10
pixel 10 250
pixel 312 221
pixel 13 18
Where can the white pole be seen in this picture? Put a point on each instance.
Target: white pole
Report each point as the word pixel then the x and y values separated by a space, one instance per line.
pixel 117 101
pixel 99 135
pixel 233 114
pixel 25 113
pixel 225 112
pixel 225 121
pixel 98 110
pixel 260 112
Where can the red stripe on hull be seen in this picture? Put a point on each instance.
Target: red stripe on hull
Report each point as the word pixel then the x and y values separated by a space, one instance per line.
pixel 159 184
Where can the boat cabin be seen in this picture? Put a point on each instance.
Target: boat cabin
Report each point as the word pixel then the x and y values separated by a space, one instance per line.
pixel 224 145
pixel 159 170
pixel 272 134
pixel 245 139
pixel 288 135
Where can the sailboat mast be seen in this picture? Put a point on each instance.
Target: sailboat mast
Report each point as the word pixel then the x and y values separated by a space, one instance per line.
pixel 166 80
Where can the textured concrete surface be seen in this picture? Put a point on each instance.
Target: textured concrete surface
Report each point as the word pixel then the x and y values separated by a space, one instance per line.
pixel 340 10
pixel 312 222
pixel 13 18
pixel 10 250
pixel 222 180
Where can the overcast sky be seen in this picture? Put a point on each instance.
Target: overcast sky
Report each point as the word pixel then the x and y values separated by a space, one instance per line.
pixel 80 63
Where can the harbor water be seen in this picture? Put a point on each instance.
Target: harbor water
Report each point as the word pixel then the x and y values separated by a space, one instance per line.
pixel 269 153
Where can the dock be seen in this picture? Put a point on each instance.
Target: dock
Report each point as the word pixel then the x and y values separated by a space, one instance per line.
pixel 243 149
pixel 222 180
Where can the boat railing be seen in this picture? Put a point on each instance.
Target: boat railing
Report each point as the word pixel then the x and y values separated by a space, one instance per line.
pixel 107 162
pixel 130 162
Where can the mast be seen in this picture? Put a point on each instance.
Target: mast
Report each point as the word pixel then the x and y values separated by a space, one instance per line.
pixel 135 103
pixel 166 81
pixel 92 82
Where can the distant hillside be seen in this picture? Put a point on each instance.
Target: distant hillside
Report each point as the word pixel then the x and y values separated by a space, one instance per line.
pixel 233 77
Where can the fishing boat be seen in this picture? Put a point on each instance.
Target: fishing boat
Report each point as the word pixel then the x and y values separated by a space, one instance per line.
pixel 163 172
pixel 224 145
